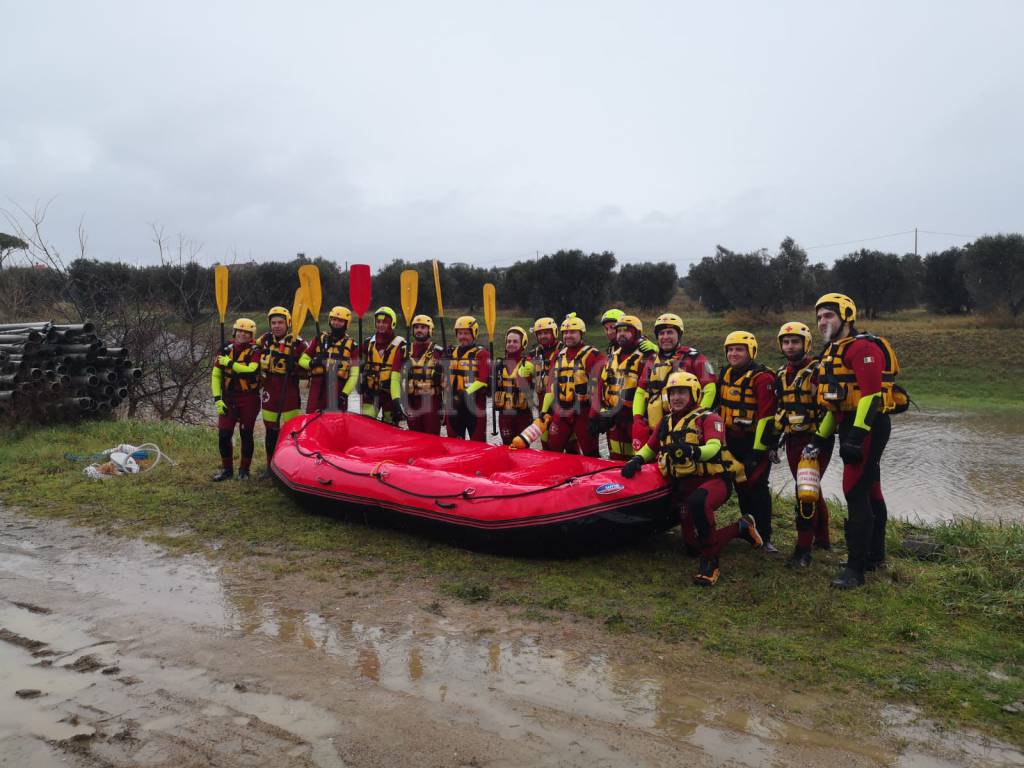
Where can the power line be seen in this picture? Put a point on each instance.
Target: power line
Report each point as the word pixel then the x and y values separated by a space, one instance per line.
pixel 861 240
pixel 948 234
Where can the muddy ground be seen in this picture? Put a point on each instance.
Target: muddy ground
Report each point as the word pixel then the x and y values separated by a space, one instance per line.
pixel 115 654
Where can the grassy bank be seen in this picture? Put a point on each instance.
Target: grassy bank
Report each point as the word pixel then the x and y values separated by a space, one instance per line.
pixel 944 634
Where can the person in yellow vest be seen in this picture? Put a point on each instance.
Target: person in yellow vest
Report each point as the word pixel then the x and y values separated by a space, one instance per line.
pixel 332 348
pixel 671 355
pixel 746 403
pixel 466 382
pixel 797 418
pixel 380 368
pixel 536 368
pixel 617 386
pixel 856 384
pixel 690 446
pixel 236 395
pixel 510 391
pixel 280 351
pixel 569 398
pixel 423 378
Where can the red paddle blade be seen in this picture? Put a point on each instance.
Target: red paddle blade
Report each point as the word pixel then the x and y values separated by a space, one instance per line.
pixel 359 288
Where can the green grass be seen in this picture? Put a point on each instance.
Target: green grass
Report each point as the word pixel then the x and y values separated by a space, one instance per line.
pixel 927 632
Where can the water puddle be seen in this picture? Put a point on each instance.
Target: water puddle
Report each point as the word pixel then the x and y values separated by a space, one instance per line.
pixel 938 466
pixel 507 683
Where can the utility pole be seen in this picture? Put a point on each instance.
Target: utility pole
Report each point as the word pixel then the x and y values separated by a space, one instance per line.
pixel 915 241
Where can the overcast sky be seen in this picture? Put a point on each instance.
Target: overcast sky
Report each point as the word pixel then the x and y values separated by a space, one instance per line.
pixel 485 132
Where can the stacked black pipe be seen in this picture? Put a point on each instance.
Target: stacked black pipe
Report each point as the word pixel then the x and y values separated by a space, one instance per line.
pixel 51 372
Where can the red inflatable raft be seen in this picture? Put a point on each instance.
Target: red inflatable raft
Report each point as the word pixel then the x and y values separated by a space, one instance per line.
pixel 385 473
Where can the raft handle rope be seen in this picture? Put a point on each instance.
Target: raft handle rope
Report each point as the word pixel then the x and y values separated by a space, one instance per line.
pixel 466 494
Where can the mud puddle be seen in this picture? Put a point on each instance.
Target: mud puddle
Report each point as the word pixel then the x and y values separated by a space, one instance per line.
pixel 185 663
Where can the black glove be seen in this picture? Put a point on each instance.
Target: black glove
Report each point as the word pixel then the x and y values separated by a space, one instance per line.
pixel 397 413
pixel 632 466
pixel 851 447
pixel 594 426
pixel 607 420
pixel 753 461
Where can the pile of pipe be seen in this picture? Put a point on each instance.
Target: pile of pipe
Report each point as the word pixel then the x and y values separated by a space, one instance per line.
pixel 51 373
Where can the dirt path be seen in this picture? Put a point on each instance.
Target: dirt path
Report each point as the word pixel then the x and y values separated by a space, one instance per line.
pixel 113 654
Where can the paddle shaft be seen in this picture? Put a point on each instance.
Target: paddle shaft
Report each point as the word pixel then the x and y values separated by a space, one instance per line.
pixel 494 381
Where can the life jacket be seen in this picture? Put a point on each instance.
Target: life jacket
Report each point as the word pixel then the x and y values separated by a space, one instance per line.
pixel 676 430
pixel 423 373
pixel 837 383
pixel 462 368
pixel 798 409
pixel 619 378
pixel 542 361
pixel 661 367
pixel 334 349
pixel 274 354
pixel 737 401
pixel 571 377
pixel 378 364
pixel 242 382
pixel 507 394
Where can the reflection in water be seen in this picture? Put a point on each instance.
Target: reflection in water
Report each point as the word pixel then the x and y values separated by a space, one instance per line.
pixel 938 466
pixel 497 676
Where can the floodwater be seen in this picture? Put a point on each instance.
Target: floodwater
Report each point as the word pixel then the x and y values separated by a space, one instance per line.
pixel 942 465
pixel 124 656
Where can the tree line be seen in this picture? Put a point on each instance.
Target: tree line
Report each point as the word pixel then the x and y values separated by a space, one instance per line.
pixel 984 276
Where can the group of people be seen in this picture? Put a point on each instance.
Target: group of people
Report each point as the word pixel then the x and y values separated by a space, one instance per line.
pixel 655 400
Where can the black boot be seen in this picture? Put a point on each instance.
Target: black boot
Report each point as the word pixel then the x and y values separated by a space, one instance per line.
pixel 801 559
pixel 849 578
pixel 266 474
pixel 869 566
pixel 224 474
pixel 243 474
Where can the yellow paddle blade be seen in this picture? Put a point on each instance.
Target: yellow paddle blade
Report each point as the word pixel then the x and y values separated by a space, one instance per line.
pixel 410 292
pixel 220 281
pixel 309 278
pixel 299 310
pixel 490 309
pixel 437 287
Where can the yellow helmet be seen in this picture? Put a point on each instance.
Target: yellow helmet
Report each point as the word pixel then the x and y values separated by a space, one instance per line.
pixel 387 312
pixel 342 313
pixel 630 321
pixel 669 320
pixel 545 324
pixel 847 309
pixel 612 315
pixel 746 338
pixel 282 312
pixel 796 329
pixel 244 324
pixel 573 323
pixel 682 379
pixel 517 329
pixel 468 323
pixel 426 320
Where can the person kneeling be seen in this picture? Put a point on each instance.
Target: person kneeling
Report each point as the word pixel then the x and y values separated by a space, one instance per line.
pixel 690 447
